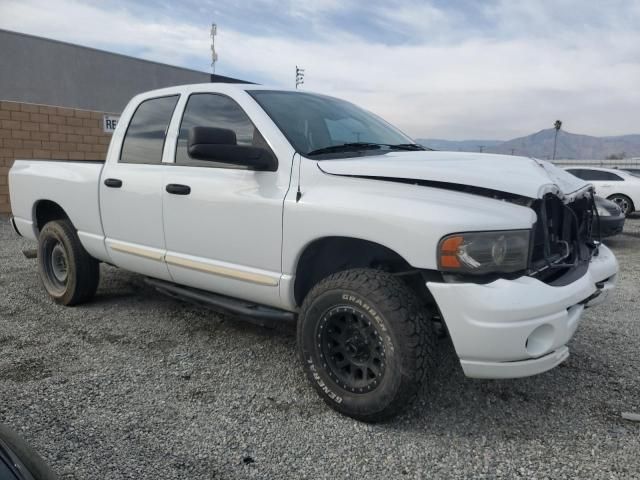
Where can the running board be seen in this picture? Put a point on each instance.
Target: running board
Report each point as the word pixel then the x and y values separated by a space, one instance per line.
pixel 222 303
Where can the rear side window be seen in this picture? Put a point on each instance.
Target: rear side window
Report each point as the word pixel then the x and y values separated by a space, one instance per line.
pixel 145 135
pixel 577 173
pixel 595 175
pixel 212 110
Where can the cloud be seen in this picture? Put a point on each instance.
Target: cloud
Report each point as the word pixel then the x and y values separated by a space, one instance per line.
pixel 494 70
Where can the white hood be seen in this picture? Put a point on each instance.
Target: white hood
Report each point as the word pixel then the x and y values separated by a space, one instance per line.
pixel 517 175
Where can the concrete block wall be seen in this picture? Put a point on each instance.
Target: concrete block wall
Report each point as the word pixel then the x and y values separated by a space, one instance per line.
pixel 30 131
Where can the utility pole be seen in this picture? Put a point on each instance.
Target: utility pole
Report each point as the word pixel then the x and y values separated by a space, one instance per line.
pixel 557 125
pixel 481 148
pixel 513 150
pixel 214 55
pixel 299 76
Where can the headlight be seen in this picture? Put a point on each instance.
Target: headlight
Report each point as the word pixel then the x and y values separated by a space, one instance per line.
pixel 484 252
pixel 603 212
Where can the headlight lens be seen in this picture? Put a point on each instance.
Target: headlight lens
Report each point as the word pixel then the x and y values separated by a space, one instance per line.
pixel 603 212
pixel 484 252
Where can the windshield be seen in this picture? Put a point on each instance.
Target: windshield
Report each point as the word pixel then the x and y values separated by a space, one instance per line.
pixel 318 124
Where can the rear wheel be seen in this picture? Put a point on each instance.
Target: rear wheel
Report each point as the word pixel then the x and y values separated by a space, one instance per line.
pixel 624 202
pixel 365 342
pixel 69 274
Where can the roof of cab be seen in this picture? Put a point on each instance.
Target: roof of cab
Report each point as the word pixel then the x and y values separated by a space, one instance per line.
pixel 221 87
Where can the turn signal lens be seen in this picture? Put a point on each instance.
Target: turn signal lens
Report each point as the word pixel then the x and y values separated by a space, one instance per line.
pixel 449 250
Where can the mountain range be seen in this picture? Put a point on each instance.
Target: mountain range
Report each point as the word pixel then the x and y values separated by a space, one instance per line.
pixel 540 145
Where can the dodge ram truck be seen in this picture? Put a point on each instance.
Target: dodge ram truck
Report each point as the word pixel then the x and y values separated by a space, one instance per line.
pixel 294 206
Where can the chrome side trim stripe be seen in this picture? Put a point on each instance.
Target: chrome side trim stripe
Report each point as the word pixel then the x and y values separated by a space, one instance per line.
pixel 137 251
pixel 220 270
pixel 234 273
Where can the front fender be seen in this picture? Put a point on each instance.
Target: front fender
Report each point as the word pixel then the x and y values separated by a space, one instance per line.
pixel 408 219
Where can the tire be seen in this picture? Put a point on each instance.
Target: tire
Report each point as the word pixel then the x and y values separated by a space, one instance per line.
pixel 624 202
pixel 366 343
pixel 27 455
pixel 68 273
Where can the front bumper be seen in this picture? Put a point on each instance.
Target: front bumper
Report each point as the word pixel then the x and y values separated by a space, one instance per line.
pixel 517 328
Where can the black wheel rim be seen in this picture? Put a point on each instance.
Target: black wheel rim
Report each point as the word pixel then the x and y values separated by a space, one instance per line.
pixel 352 349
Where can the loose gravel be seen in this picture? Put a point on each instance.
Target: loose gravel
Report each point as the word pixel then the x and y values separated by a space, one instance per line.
pixel 137 385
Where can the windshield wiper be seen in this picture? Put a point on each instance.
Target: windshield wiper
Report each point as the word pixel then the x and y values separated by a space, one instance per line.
pixel 409 146
pixel 345 147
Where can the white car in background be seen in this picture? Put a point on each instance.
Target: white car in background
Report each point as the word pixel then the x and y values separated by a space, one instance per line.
pixel 616 185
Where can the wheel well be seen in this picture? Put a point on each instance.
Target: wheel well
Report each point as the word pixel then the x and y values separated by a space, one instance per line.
pixel 46 211
pixel 329 255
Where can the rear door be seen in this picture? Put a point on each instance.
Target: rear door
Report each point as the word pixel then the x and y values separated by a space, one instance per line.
pixel 131 191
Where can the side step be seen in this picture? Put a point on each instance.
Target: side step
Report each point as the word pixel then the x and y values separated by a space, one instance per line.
pixel 222 303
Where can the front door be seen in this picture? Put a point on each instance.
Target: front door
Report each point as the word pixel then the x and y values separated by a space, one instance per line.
pixel 223 224
pixel 131 192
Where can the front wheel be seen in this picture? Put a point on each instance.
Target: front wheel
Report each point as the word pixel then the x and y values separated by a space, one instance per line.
pixel 69 274
pixel 365 342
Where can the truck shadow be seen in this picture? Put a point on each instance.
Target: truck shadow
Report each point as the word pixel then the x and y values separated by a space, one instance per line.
pixel 521 409
pixel 449 404
pixel 122 289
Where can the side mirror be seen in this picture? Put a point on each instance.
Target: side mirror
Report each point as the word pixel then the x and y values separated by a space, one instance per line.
pixel 219 145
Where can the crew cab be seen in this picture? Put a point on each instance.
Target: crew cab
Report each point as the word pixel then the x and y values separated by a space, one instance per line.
pixel 288 205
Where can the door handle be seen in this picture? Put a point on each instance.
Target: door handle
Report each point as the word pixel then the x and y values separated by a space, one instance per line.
pixel 178 189
pixel 113 182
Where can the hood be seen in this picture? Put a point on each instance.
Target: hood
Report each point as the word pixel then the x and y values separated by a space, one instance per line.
pixel 520 176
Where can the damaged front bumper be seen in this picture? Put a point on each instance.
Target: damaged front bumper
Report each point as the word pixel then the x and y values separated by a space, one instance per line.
pixel 517 328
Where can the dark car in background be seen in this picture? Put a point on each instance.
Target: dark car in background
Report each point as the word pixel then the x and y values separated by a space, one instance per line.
pixel 610 219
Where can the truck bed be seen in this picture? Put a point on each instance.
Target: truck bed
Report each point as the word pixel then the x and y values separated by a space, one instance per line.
pixel 73 185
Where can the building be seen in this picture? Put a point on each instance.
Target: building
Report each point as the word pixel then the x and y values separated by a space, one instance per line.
pixel 59 100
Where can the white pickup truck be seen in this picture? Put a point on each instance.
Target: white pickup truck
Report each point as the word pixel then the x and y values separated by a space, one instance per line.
pixel 287 205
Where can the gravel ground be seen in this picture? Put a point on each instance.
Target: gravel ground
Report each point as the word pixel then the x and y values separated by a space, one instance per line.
pixel 136 385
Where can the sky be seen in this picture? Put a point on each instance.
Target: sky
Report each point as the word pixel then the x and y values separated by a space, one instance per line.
pixel 453 69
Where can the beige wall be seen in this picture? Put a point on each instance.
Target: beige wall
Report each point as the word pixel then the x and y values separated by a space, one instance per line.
pixel 45 132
